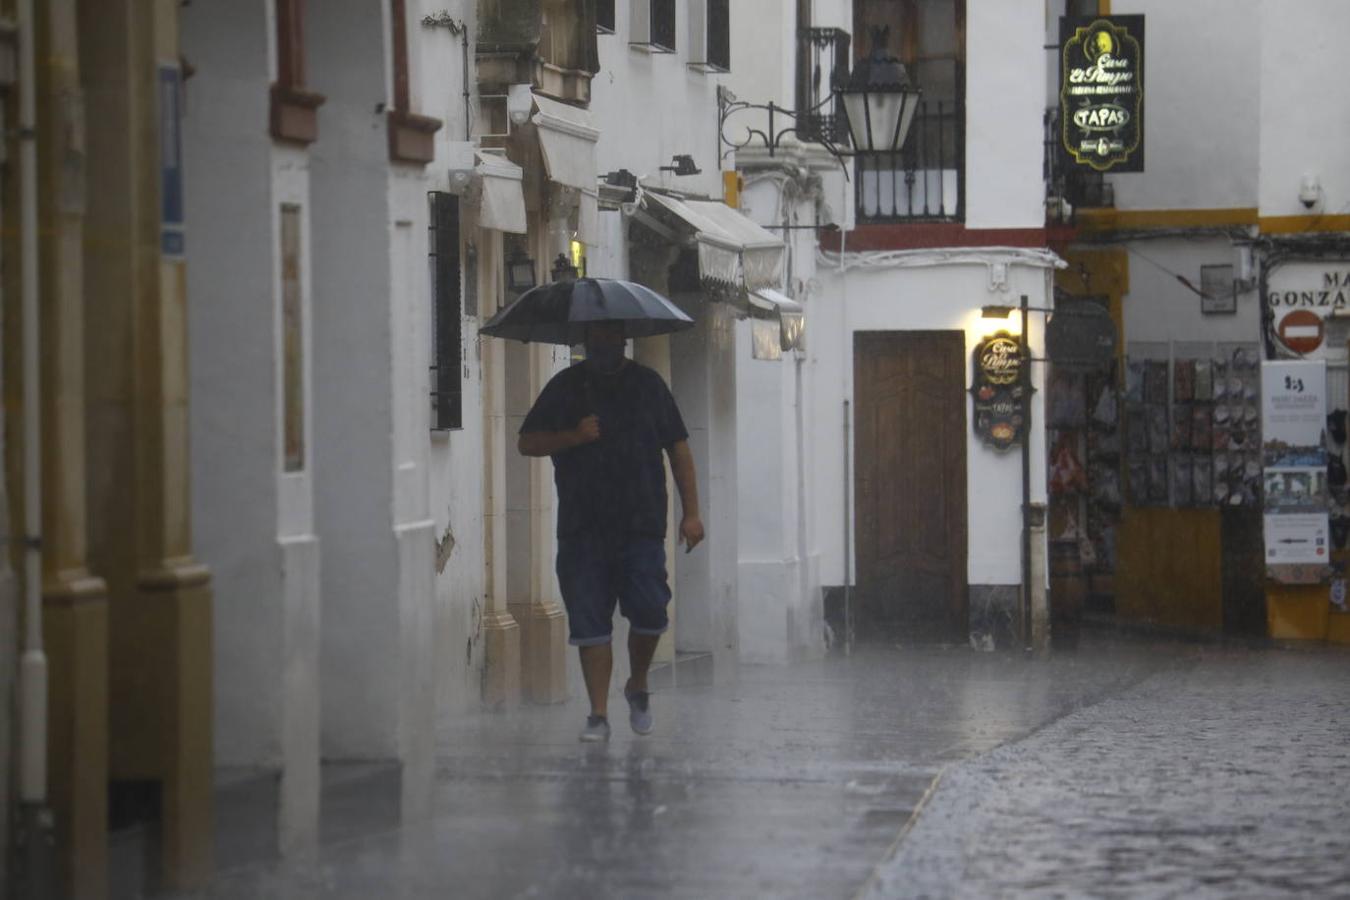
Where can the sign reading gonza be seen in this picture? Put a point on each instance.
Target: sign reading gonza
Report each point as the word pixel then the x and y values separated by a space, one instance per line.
pixel 1101 92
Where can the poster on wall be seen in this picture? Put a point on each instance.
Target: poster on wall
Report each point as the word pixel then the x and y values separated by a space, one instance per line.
pixel 998 395
pixel 1294 474
pixel 1101 92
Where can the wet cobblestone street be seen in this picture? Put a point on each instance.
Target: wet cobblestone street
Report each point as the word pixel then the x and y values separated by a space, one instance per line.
pixel 1127 768
pixel 1229 779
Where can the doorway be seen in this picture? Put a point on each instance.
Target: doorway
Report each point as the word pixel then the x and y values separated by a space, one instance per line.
pixel 910 485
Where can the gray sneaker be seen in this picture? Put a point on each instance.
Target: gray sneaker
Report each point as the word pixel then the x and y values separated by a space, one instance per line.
pixel 639 711
pixel 596 730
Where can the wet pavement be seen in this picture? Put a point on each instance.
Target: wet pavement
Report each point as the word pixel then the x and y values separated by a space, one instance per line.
pixel 789 781
pixel 1230 778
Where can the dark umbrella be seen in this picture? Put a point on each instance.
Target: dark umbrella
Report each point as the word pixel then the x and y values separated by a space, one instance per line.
pixel 558 313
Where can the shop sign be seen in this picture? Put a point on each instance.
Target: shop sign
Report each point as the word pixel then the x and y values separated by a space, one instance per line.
pixel 1294 474
pixel 1101 92
pixel 1300 296
pixel 998 393
pixel 1081 336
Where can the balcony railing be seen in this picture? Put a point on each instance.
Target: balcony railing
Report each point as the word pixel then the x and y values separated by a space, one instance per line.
pixel 924 181
pixel 822 65
pixel 1069 188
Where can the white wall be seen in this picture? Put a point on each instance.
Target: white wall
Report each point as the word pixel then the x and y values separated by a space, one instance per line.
pixel 1159 308
pixel 651 106
pixel 928 298
pixel 1304 98
pixel 1004 105
pixel 1203 70
pixel 353 418
pixel 233 336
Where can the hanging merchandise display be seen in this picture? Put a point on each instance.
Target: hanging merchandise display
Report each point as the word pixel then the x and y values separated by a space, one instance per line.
pixel 1195 445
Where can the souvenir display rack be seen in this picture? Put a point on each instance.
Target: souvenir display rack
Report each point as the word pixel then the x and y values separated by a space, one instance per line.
pixel 1192 424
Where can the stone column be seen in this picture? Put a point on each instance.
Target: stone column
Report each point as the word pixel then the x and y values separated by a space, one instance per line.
pixel 545 651
pixel 160 609
pixel 75 603
pixel 501 633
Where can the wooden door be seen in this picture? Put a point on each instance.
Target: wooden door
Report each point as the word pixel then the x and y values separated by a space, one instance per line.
pixel 910 485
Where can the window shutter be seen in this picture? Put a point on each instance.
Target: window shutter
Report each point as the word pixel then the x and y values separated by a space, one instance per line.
pixel 446 313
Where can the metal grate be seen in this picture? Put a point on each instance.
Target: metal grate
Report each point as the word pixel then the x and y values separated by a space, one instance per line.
pixel 822 65
pixel 447 386
pixel 925 180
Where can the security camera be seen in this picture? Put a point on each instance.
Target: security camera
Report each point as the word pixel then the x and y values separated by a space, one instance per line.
pixel 628 209
pixel 1309 191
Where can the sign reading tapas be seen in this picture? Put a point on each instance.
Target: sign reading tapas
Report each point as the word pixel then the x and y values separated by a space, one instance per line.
pixel 998 393
pixel 1101 92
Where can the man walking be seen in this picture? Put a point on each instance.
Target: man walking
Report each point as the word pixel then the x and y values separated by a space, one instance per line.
pixel 605 423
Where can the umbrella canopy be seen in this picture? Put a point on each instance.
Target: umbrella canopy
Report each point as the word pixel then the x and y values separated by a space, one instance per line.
pixel 558 313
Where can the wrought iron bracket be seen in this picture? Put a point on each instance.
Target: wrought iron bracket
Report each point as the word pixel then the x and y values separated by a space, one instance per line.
pixel 772 137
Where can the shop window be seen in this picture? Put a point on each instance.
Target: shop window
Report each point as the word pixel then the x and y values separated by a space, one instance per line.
pixel 652 25
pixel 604 16
pixel 293 110
pixel 410 134
pixel 925 180
pixel 710 35
pixel 447 302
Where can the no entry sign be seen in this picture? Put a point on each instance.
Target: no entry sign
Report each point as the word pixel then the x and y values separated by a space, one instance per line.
pixel 1301 330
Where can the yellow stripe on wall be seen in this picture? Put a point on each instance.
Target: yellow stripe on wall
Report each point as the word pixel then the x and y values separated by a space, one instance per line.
pixel 1139 219
pixel 1296 224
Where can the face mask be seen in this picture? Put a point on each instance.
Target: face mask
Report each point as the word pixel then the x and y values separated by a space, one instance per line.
pixel 605 360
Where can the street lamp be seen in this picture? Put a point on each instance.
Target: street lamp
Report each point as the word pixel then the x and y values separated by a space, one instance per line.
pixel 878 99
pixel 1028 514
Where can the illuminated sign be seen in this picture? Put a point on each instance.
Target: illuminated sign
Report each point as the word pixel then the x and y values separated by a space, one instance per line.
pixel 1101 92
pixel 998 393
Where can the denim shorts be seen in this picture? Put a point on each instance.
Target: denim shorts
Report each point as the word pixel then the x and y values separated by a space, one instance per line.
pixel 596 571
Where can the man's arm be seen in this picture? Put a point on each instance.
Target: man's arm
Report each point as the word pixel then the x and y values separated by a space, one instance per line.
pixel 547 443
pixel 682 467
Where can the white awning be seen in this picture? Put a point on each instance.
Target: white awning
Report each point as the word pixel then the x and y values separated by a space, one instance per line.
pixel 764 253
pixel 567 138
pixel 502 199
pixel 732 250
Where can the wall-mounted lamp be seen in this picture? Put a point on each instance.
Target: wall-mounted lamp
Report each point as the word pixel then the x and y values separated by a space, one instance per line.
pixel 683 165
pixel 519 274
pixel 563 270
pixel 519 103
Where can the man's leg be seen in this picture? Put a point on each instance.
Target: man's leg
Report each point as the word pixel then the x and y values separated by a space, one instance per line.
pixel 641 649
pixel 597 663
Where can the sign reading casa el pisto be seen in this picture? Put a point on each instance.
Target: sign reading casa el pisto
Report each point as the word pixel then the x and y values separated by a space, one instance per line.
pixel 1101 92
pixel 1000 403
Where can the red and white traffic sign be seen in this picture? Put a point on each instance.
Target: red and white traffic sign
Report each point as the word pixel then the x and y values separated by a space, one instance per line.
pixel 1301 330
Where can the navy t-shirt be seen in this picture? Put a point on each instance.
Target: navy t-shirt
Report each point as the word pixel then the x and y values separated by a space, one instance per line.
pixel 616 485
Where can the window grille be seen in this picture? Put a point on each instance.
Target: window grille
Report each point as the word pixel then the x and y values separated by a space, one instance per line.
pixel 447 387
pixel 822 65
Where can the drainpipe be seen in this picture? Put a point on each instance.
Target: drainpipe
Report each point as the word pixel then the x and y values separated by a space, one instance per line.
pixel 844 368
pixel 33 667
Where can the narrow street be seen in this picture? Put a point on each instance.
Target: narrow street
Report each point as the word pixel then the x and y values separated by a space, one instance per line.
pixel 1126 768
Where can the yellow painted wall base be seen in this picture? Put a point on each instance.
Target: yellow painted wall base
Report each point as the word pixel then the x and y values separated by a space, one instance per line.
pixel 1297 612
pixel 1170 568
pixel 1338 628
